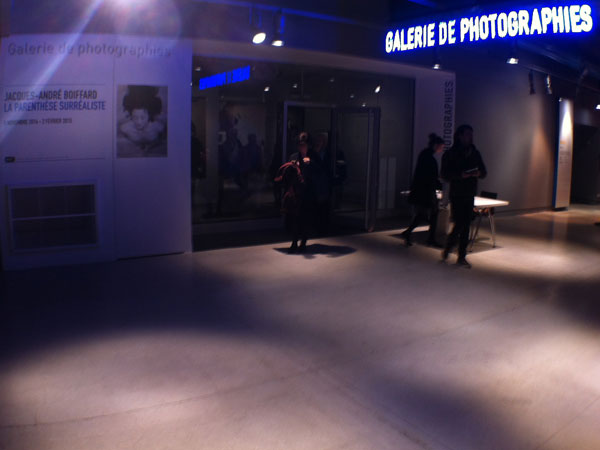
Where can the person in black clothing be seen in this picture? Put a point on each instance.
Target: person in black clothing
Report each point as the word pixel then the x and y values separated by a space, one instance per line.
pixel 462 166
pixel 299 199
pixel 423 189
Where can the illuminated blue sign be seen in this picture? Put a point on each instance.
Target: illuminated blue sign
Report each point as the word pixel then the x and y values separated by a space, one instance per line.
pixel 523 22
pixel 221 79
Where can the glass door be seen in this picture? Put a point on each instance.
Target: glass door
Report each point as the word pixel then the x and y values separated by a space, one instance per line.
pixel 355 162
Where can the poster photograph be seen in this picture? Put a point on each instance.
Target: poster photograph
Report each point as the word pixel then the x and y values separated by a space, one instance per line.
pixel 141 126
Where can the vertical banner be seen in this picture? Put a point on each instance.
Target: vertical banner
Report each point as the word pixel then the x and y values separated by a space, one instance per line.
pixel 564 155
pixel 434 109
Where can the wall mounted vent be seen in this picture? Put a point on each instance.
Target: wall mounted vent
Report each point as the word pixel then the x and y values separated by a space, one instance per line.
pixel 57 216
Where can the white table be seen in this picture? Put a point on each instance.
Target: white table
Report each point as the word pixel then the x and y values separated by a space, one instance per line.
pixel 484 206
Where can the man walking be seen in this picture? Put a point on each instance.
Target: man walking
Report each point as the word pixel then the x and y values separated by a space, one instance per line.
pixel 462 166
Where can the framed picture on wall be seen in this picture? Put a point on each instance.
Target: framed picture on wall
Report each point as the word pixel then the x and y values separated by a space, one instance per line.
pixel 141 122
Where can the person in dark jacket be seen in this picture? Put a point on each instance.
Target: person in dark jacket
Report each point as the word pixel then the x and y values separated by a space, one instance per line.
pixel 298 203
pixel 423 189
pixel 462 166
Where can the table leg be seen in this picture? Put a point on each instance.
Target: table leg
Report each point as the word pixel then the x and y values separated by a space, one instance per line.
pixel 493 228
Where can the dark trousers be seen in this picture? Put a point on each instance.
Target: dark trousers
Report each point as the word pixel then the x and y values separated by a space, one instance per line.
pixel 462 212
pixel 424 214
pixel 300 223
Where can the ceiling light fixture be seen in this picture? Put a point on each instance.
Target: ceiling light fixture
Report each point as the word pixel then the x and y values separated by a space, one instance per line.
pixel 258 34
pixel 278 37
pixel 378 89
pixel 598 106
pixel 267 88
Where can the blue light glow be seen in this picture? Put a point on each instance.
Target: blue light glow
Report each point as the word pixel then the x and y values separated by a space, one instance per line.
pixel 221 79
pixel 523 22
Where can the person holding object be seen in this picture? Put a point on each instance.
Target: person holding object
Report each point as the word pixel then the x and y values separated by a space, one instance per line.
pixel 462 166
pixel 297 179
pixel 423 189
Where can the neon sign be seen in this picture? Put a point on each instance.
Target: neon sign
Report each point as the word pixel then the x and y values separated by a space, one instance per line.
pixel 221 79
pixel 523 22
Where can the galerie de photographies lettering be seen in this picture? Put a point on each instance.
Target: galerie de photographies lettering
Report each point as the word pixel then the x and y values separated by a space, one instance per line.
pixel 568 19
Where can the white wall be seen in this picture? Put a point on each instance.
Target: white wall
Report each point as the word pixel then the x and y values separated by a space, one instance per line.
pixel 515 131
pixel 143 204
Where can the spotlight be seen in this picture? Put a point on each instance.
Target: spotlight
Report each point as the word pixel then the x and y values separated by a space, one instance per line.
pixel 598 106
pixel 198 69
pixel 364 105
pixel 378 89
pixel 277 41
pixel 278 38
pixel 548 85
pixel 267 88
pixel 436 66
pixel 351 95
pixel 531 84
pixel 259 36
pixel 512 60
pixel 295 86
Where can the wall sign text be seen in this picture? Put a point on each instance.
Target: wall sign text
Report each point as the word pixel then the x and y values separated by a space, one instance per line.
pixel 523 22
pixel 221 79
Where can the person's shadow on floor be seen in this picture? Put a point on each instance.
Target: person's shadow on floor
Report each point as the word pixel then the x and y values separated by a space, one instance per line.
pixel 331 251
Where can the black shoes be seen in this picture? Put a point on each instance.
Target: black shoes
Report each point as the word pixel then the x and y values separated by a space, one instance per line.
pixel 294 248
pixel 462 262
pixel 302 248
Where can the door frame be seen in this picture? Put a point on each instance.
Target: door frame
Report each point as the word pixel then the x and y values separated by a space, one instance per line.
pixel 373 136
pixel 374 119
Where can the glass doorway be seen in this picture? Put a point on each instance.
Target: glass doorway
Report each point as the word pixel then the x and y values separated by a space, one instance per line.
pixel 347 139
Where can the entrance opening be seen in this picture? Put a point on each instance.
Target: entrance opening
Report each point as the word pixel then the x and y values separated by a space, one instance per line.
pixel 244 129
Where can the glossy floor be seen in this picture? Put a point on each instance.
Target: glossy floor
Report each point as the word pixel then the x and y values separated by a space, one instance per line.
pixel 358 344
